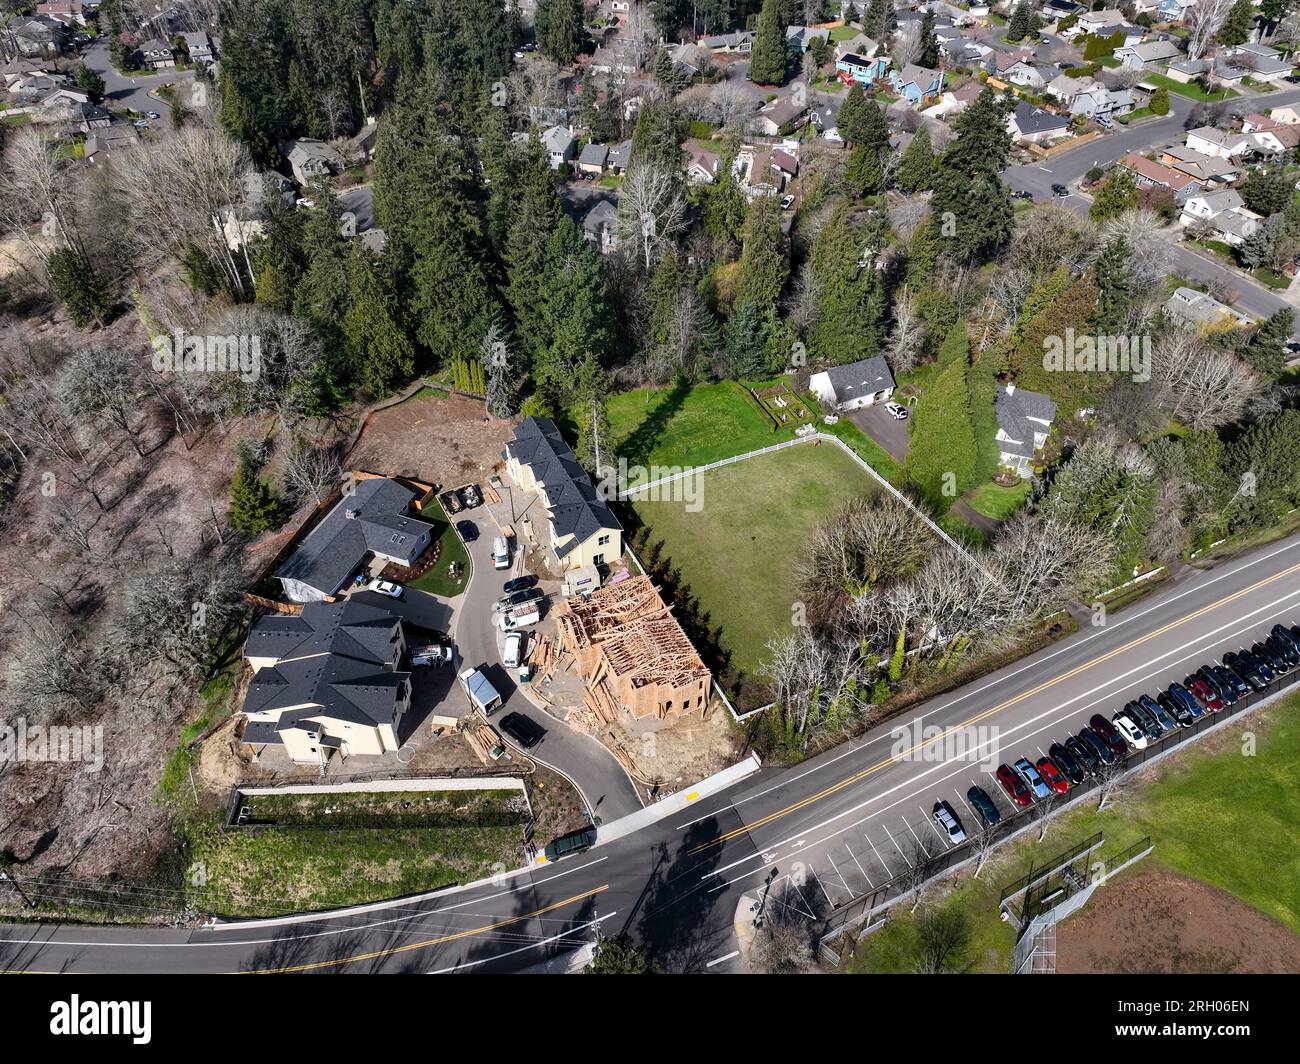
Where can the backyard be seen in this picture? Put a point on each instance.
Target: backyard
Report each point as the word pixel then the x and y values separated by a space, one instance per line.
pixel 731 564
pixel 438 579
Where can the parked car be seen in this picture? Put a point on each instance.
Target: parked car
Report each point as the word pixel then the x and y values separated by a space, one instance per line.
pixel 1204 694
pixel 1175 708
pixel 1032 779
pixel 1189 700
pixel 1014 786
pixel 385 587
pixel 1106 731
pixel 471 496
pixel 1066 762
pixel 529 594
pixel 1241 663
pixel 1084 755
pixel 500 553
pixel 522 730
pixel 787 201
pixel 1284 650
pixel 430 654
pixel 468 531
pixel 896 410
pixel 983 805
pixel 949 822
pixel 1287 635
pixel 1270 657
pixel 1100 748
pixel 519 583
pixel 1166 722
pixel 513 653
pixel 518 618
pixel 1130 729
pixel 1060 191
pixel 1208 675
pixel 1021 194
pixel 1229 680
pixel 1146 723
pixel 567 845
pixel 154 115
pixel 1052 776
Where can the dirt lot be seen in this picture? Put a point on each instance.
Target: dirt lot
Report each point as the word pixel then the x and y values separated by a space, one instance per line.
pixel 434 437
pixel 1156 921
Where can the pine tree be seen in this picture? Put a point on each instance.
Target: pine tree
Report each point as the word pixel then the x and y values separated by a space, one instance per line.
pixel 559 30
pixel 592 413
pixel 746 342
pixel 378 347
pixel 861 122
pixel 767 58
pixel 725 205
pixel 1116 195
pixel 970 201
pixel 851 323
pixel 322 292
pixel 929 54
pixel 79 287
pixel 762 272
pixel 1159 102
pixel 254 507
pixel 1114 285
pixel 1237 24
pixel 1267 348
pixel 916 168
pixel 537 212
pixel 863 171
pixel 575 321
pixel 941 458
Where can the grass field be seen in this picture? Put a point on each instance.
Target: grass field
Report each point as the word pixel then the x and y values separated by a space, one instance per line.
pixel 1192 91
pixel 1214 812
pixel 737 554
pixel 314 860
pixel 995 501
pixel 438 580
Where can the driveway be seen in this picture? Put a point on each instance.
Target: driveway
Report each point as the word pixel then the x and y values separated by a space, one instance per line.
pixel 604 785
pixel 418 607
pixel 132 92
pixel 891 434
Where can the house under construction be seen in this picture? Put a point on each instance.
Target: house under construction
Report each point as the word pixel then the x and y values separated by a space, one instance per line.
pixel 636 660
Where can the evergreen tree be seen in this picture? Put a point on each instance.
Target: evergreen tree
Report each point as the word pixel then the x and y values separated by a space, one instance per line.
pixel 941 459
pixel 1237 24
pixel 1114 285
pixel 746 342
pixel 377 345
pixel 863 171
pixel 767 59
pixel 861 122
pixel 559 30
pixel 929 54
pixel 88 82
pixel 1018 27
pixel 970 202
pixel 726 205
pixel 1159 102
pixel 1267 348
pixel 1117 195
pixel 1265 465
pixel 591 410
pixel 763 268
pixel 576 324
pixel 537 212
pixel 853 306
pixel 321 295
pixel 1267 192
pixel 878 21
pixel 982 382
pixel 916 168
pixel 254 507
pixel 79 287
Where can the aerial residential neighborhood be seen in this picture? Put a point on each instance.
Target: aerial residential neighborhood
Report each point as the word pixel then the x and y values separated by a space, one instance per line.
pixel 635 487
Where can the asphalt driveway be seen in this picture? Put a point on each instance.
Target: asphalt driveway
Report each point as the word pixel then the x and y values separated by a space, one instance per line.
pixel 892 435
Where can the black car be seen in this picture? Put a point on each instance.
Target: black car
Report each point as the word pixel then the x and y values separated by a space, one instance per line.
pixel 522 730
pixel 471 496
pixel 1100 750
pixel 1066 763
pixel 468 531
pixel 1166 722
pixel 567 845
pixel 1060 191
pixel 1084 755
pixel 1229 680
pixel 519 583
pixel 1288 635
pixel 1284 650
pixel 1270 657
pixel 1227 692
pixel 1022 195
pixel 1188 699
pixel 528 594
pixel 1175 708
pixel 980 801
pixel 1241 663
pixel 1144 719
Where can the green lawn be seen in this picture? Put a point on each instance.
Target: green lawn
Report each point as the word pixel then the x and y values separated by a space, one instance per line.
pixel 1191 91
pixel 313 863
pixel 1213 813
pixel 736 554
pixel 438 580
pixel 843 33
pixel 995 501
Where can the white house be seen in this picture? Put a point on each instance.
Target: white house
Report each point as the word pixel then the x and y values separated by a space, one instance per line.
pixel 1024 421
pixel 1215 142
pixel 856 385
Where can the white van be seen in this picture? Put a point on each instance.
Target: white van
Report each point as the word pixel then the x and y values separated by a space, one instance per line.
pixel 514 652
pixel 500 553
pixel 524 615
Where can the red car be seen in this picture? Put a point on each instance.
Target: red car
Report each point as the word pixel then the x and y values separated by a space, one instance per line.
pixel 1204 694
pixel 1106 731
pixel 1014 786
pixel 1052 775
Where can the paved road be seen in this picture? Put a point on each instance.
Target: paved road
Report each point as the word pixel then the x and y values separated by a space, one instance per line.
pixel 1038 178
pixel 839 823
pixel 604 784
pixel 121 91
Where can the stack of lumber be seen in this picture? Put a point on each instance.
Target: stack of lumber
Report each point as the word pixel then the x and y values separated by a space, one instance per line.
pixel 598 699
pixel 489 493
pixel 482 739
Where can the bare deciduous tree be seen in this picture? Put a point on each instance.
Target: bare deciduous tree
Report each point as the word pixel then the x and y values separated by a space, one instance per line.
pixel 651 212
pixel 1204 21
pixel 1202 386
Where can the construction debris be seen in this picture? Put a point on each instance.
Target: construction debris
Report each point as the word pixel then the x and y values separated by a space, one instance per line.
pixel 633 654
pixel 482 739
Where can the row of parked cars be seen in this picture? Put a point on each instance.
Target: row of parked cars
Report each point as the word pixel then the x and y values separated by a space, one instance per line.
pixel 1144 720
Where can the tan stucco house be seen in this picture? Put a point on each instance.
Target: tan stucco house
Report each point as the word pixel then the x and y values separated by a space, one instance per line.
pixel 326 680
pixel 581 528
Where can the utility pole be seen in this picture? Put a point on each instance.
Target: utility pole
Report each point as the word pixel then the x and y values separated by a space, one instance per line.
pixel 6 878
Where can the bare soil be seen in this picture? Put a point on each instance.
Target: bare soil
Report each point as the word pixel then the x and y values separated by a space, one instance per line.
pixel 1157 921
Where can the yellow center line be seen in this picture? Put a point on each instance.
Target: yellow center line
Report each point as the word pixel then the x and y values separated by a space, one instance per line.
pixel 467 933
pixel 859 776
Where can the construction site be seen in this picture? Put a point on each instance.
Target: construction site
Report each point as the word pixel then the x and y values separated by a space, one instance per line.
pixel 638 666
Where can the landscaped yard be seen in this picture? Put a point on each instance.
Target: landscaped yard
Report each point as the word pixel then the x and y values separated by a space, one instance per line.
pixel 1192 91
pixel 322 855
pixel 438 580
pixel 737 554
pixel 995 501
pixel 1213 813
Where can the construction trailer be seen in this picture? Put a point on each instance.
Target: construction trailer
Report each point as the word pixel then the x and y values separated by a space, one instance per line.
pixel 637 663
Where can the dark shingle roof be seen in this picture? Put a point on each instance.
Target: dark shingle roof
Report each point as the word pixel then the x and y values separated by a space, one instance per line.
pixel 857 379
pixel 575 507
pixel 330 660
pixel 338 545
pixel 1014 409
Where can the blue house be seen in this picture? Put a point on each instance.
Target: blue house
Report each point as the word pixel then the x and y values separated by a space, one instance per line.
pixel 916 83
pixel 853 67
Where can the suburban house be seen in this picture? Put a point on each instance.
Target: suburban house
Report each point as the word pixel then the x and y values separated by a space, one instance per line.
pixel 1174 10
pixel 619 156
pixel 1236 226
pixel 37 36
pixel 582 530
pixel 1207 169
pixel 858 384
pixel 371 522
pixel 757 176
pixel 593 158
pixel 326 680
pixel 1205 205
pixel 1271 135
pixel 1054 10
pixel 855 66
pixel 1228 75
pixel 1288 115
pixel 600 227
pixel 243 224
pixel 1201 311
pixel 962 52
pixel 69 12
pixel 859 44
pixel 777 116
pixel 360 147
pixel 1027 75
pixel 1210 141
pixel 954 101
pixel 107 139
pixel 823 119
pixel 63 104
pixel 916 83
pixel 1033 125
pixel 311 160
pixel 198 46
pixel 1261 62
pixel 1024 421
pixel 157 54
pixel 560 145
pixel 687 58
pixel 701 164
pixel 803 36
pixel 1089 97
pixel 1149 56
pixel 1150 174
pixel 1188 70
pixel 740 41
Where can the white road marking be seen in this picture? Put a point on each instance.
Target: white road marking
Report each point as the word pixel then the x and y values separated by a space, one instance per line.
pixel 860 868
pixel 935 828
pixel 521 949
pixel 895 842
pixel 839 873
pixel 720 960
pixel 820 884
pixel 878 857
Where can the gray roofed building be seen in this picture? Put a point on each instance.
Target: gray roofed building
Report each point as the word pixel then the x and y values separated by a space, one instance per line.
pixel 861 383
pixel 1024 421
pixel 560 144
pixel 600 226
pixel 310 159
pixel 327 679
pixel 108 138
pixel 584 531
pixel 1031 123
pixel 372 520
pixel 593 157
pixel 619 156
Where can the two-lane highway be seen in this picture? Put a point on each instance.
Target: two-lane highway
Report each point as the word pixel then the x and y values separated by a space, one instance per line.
pixel 833 827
